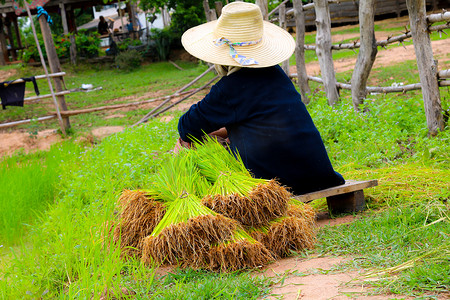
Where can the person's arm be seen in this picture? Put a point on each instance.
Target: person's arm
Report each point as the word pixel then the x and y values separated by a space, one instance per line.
pixel 222 132
pixel 207 116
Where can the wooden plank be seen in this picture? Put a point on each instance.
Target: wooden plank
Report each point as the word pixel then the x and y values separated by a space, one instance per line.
pixel 348 187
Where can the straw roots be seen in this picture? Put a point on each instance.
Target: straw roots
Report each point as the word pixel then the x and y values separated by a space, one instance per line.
pixel 187 243
pixel 286 235
pixel 138 218
pixel 302 211
pixel 265 202
pixel 237 255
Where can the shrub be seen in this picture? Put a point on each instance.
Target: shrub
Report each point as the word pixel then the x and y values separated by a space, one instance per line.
pixel 129 60
pixel 88 45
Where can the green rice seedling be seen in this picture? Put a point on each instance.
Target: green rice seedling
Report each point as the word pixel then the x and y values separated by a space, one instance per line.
pixel 285 235
pixel 241 251
pixel 139 215
pixel 235 193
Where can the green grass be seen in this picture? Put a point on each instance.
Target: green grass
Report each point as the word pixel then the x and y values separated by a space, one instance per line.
pixel 65 251
pixel 387 239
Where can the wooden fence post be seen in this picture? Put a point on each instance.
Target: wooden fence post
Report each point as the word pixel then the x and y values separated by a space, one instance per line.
pixel 219 6
pixel 11 38
pixel 426 64
pixel 55 67
pixel 323 50
pixel 263 5
pixel 3 50
pixel 282 18
pixel 367 52
pixel 73 46
pixel 302 77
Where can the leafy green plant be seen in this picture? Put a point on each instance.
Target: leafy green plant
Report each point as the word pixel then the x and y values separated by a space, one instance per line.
pixel 129 60
pixel 88 45
pixel 163 39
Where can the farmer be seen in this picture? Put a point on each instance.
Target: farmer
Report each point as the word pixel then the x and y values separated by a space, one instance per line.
pixel 254 104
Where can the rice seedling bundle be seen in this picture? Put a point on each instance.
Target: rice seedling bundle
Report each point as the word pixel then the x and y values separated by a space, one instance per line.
pixel 297 208
pixel 235 193
pixel 188 229
pixel 138 218
pixel 241 251
pixel 186 233
pixel 285 235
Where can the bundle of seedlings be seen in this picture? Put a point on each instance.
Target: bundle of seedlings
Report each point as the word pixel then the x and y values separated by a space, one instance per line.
pixel 285 236
pixel 241 251
pixel 297 208
pixel 188 229
pixel 235 193
pixel 139 215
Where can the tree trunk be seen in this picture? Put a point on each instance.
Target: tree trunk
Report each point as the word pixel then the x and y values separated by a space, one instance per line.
pixel 367 52
pixel 55 66
pixel 426 64
pixel 263 5
pixel 282 17
pixel 302 77
pixel 323 50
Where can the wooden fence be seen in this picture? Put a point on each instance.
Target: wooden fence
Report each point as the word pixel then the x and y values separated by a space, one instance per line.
pixel 421 25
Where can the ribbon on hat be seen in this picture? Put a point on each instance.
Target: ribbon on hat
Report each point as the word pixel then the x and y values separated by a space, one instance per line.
pixel 241 59
pixel 42 11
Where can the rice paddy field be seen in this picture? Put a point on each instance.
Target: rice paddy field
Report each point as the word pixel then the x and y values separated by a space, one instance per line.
pixel 57 206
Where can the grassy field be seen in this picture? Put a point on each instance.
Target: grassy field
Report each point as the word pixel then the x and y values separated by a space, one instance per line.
pixel 54 205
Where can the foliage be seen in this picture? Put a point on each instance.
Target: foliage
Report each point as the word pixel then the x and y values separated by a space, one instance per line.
pixel 163 39
pixel 129 60
pixel 124 45
pixel 88 45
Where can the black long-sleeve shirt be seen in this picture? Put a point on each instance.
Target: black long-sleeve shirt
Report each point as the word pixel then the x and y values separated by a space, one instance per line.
pixel 268 125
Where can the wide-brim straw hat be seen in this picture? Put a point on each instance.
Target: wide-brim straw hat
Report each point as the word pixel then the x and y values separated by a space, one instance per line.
pixel 240 22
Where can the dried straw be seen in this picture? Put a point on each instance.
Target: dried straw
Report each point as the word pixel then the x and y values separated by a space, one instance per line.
pixel 138 218
pixel 302 210
pixel 241 252
pixel 285 235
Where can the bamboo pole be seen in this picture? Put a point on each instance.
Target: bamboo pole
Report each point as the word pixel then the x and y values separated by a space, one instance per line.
pixel 302 78
pixel 184 98
pixel 117 106
pixel 145 118
pixel 444 74
pixel 15 123
pixel 61 123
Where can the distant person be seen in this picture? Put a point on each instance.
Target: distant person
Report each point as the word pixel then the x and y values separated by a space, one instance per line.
pixel 103 27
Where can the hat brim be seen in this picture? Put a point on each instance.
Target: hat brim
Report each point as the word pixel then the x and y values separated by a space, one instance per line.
pixel 276 46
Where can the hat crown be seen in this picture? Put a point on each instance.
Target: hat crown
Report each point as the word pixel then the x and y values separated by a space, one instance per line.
pixel 240 22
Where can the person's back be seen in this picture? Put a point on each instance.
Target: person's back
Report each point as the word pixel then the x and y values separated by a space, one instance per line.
pixel 269 126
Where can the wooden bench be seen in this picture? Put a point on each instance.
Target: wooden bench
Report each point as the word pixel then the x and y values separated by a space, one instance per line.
pixel 348 197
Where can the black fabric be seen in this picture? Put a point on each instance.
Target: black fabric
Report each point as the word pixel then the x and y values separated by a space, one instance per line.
pixel 13 94
pixel 268 125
